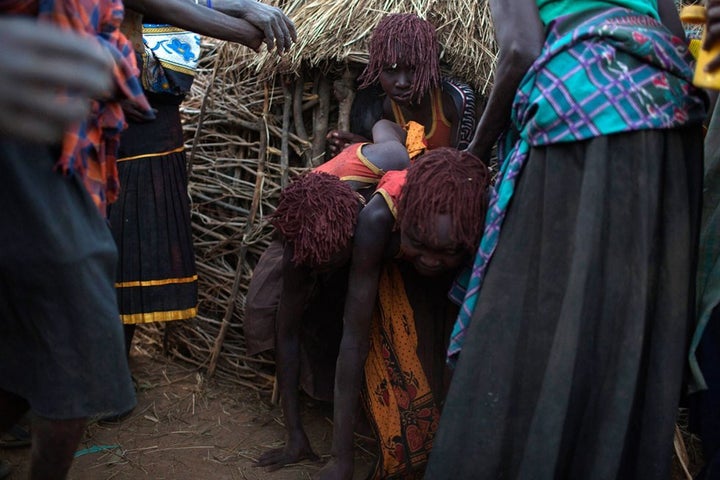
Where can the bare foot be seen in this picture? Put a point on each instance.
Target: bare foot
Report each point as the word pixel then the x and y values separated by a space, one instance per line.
pixel 296 449
pixel 335 469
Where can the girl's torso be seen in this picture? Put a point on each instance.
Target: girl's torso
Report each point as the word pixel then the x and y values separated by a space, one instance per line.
pixel 438 129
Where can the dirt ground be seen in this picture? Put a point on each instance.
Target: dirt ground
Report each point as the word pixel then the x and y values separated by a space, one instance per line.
pixel 186 429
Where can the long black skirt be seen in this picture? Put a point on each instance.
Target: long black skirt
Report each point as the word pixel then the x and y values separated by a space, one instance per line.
pixel 150 221
pixel 61 343
pixel 573 363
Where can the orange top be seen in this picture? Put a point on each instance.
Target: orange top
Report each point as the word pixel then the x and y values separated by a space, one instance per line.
pixel 390 187
pixel 440 128
pixel 352 165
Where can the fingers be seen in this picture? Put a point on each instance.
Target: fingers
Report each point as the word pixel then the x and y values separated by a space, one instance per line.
pixel 42 117
pixel 277 35
pixel 279 30
pixel 712 34
pixel 336 147
pixel 48 78
pixel 712 30
pixel 713 64
pixel 269 37
pixel 57 59
pixel 338 141
pixel 289 34
pixel 136 114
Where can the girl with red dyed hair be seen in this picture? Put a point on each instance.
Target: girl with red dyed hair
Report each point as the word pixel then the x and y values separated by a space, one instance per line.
pixel 405 61
pixel 300 275
pixel 428 217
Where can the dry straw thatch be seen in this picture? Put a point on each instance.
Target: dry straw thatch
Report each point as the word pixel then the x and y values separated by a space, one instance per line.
pixel 252 121
pixel 336 32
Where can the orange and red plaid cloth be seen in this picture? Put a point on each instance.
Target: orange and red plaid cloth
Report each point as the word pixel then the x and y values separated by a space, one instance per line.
pixel 90 148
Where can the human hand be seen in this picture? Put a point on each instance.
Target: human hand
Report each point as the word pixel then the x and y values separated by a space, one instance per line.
pixel 278 29
pixel 135 114
pixel 297 448
pixel 712 32
pixel 336 469
pixel 47 78
pixel 339 140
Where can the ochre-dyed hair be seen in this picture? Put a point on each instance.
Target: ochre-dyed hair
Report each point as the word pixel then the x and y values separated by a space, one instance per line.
pixel 316 214
pixel 404 38
pixel 446 181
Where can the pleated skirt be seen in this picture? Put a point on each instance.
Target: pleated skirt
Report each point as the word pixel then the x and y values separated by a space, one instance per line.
pixel 150 221
pixel 573 363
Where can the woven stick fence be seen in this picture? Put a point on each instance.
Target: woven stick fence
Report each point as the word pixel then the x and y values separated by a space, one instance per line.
pixel 254 121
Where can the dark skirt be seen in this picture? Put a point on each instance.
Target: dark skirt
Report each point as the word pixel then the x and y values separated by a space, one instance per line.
pixel 61 344
pixel 262 299
pixel 321 328
pixel 704 405
pixel 573 363
pixel 150 221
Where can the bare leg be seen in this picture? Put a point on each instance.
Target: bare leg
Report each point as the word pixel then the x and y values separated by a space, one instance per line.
pixel 287 348
pixel 54 444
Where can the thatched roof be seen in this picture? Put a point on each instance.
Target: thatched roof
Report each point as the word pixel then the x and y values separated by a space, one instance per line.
pixel 335 32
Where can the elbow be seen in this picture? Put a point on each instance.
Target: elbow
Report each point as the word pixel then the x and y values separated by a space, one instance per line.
pixel 397 156
pixel 517 57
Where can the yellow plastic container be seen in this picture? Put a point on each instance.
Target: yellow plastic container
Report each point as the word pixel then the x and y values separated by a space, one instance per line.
pixel 695 14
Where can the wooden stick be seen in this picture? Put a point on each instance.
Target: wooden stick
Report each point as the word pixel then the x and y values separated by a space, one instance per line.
pixel 298 118
pixel 275 395
pixel 284 139
pixel 201 115
pixel 230 308
pixel 320 124
pixel 344 89
pixel 681 452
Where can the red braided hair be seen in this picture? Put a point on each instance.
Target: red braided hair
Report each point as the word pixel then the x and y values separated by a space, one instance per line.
pixel 316 214
pixel 446 181
pixel 404 38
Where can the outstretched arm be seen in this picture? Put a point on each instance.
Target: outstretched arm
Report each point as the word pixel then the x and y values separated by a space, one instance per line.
pixel 200 19
pixel 372 235
pixel 278 29
pixel 295 291
pixel 339 140
pixel 520 36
